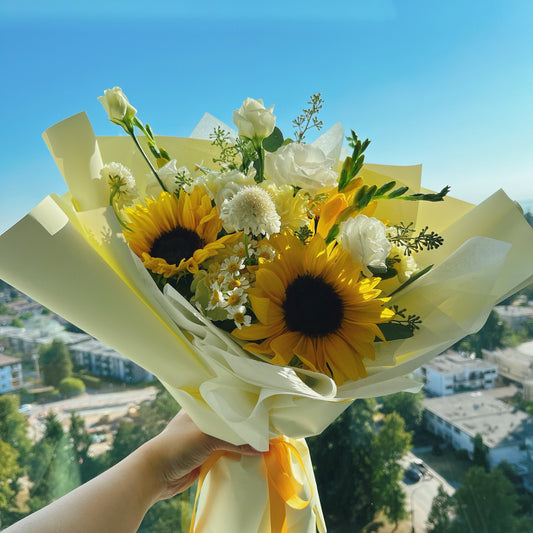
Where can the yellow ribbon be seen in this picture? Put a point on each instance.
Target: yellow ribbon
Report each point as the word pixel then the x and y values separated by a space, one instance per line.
pixel 283 488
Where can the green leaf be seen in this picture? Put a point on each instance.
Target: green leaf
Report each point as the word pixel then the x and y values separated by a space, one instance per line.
pixel 414 277
pixel 393 331
pixel 384 189
pixel 398 192
pixel 273 141
pixel 333 232
pixel 387 274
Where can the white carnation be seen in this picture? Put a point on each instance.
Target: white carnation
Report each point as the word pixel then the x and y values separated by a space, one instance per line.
pixel 366 240
pixel 300 165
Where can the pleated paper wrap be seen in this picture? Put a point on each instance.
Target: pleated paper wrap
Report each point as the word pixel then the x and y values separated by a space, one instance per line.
pixel 69 254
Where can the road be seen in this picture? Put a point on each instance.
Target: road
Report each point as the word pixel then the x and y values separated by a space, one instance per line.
pixel 88 404
pixel 420 494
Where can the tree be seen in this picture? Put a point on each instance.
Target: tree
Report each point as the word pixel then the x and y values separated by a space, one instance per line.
pixel 71 387
pixel 55 363
pixel 53 465
pixel 486 502
pixel 14 426
pixel 439 518
pixel 408 405
pixel 9 473
pixel 480 453
pixel 17 323
pixel 129 437
pixel 388 447
pixel 492 335
pixel 344 469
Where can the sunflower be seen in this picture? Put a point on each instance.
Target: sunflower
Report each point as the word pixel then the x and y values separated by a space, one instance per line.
pixel 175 233
pixel 310 304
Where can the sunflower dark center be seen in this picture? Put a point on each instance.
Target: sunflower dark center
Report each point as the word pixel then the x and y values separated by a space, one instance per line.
pixel 175 245
pixel 312 306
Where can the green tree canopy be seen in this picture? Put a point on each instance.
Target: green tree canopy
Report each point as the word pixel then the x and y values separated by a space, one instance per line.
pixel 486 502
pixel 439 518
pixel 388 447
pixel 9 473
pixel 408 405
pixel 13 425
pixel 344 470
pixel 71 386
pixel 55 363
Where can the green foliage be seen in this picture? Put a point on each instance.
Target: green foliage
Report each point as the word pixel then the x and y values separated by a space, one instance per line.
pixel 485 502
pixel 55 363
pixel 529 218
pixel 71 386
pixel 405 236
pixel 439 518
pixel 357 469
pixel 53 465
pixel 168 516
pixel 14 426
pixel 480 453
pixel 6 310
pixel 17 323
pixel 346 491
pixel 26 315
pixel 9 473
pixel 408 405
pixel 388 447
pixel 91 382
pixel 490 336
pixel 351 167
pixel 308 119
pixel 273 141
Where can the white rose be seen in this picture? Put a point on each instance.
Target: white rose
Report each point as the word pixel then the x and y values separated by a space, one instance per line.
pixel 119 110
pixel 253 120
pixel 366 240
pixel 301 165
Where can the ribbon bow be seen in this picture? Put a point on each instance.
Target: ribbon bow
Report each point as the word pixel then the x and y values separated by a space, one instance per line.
pixel 283 488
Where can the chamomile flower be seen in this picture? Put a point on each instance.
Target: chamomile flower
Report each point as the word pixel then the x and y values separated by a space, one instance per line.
pixel 232 265
pixel 239 316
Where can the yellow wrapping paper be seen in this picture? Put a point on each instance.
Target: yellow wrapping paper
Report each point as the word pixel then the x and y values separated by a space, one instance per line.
pixel 69 254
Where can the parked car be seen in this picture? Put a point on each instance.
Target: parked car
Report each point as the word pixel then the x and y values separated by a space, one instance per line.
pixel 413 474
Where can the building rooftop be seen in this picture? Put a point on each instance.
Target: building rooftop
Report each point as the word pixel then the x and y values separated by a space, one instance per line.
pixel 6 360
pixel 514 311
pixel 499 423
pixel 522 352
pixel 451 362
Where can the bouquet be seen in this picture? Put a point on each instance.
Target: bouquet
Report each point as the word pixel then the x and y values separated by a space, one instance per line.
pixel 266 282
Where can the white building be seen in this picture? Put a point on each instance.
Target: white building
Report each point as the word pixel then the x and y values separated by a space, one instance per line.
pixel 507 432
pixel 515 316
pixel 106 362
pixel 10 373
pixel 452 372
pixel 515 364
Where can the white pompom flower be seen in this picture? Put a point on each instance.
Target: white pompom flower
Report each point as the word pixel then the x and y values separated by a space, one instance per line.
pixel 122 186
pixel 251 210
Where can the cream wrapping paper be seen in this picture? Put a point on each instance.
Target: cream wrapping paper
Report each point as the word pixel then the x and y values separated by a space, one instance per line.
pixel 69 254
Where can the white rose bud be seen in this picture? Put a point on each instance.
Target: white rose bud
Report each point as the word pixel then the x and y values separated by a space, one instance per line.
pixel 366 240
pixel 253 120
pixel 119 110
pixel 300 165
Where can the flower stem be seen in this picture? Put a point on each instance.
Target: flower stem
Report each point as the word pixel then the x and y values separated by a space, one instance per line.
pixel 132 134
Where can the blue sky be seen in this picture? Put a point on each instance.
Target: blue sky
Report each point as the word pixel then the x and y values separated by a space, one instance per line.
pixel 446 84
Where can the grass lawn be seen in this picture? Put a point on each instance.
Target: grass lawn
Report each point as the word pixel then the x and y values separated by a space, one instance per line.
pixel 451 468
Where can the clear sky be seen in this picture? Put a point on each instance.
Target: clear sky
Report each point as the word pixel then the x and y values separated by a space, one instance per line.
pixel 444 83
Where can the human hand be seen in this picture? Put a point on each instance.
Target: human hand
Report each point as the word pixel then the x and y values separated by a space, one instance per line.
pixel 176 455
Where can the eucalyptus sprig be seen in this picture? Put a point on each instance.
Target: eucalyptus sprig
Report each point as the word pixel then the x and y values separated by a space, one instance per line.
pixel 308 119
pixel 405 236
